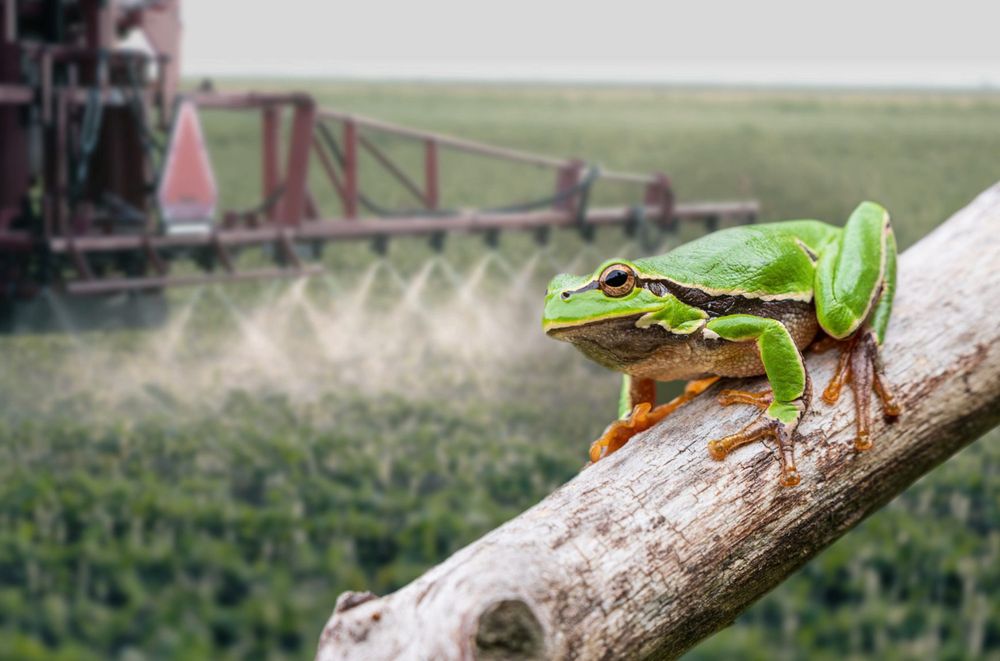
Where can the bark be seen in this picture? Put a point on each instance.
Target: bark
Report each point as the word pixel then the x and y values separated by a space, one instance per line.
pixel 658 546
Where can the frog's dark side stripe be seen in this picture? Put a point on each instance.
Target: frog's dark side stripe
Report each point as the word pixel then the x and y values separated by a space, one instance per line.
pixel 723 304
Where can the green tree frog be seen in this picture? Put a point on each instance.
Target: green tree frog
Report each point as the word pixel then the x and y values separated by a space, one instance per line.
pixel 739 302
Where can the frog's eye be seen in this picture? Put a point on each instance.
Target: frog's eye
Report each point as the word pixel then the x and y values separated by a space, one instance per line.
pixel 617 280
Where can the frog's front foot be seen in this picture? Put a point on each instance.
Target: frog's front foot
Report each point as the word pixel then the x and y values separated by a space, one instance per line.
pixel 619 432
pixel 861 365
pixel 779 421
pixel 642 417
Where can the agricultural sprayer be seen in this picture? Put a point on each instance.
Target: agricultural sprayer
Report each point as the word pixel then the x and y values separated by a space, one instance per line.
pixel 107 183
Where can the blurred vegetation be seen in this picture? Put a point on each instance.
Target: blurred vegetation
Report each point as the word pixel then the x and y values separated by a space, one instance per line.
pixel 160 499
pixel 233 531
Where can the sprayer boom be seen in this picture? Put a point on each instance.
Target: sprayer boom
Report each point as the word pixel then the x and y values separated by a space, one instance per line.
pixel 108 180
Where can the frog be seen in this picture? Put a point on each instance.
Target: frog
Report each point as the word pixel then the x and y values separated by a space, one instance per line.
pixel 742 301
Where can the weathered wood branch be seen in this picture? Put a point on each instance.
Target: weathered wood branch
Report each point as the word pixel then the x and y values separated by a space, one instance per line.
pixel 658 546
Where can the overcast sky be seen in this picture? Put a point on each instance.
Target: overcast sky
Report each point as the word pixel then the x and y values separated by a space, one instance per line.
pixel 891 43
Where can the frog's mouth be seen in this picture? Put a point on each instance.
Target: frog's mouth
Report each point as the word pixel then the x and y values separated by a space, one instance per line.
pixel 570 332
pixel 616 341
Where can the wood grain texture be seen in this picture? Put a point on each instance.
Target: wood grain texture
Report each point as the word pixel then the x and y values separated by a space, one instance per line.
pixel 658 546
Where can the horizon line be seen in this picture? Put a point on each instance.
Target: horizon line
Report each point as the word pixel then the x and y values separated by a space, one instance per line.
pixel 985 87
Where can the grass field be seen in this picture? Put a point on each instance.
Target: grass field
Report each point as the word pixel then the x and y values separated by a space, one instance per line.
pixel 207 489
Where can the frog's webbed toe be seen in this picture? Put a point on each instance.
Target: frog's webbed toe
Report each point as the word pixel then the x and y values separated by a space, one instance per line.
pixel 861 366
pixel 642 417
pixel 619 432
pixel 761 399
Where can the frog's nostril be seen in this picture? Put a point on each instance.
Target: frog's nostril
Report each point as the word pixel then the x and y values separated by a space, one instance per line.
pixel 565 295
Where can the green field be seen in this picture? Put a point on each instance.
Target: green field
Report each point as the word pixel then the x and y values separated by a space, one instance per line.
pixel 205 490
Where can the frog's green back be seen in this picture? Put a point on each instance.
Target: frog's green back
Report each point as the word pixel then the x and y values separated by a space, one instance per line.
pixel 761 261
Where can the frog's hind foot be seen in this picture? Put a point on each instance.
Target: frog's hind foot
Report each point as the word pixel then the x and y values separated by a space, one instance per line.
pixel 861 366
pixel 642 417
pixel 768 425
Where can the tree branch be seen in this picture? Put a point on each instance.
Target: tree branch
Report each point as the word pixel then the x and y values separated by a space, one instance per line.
pixel 658 546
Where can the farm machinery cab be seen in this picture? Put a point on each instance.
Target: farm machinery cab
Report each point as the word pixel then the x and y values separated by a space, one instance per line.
pixel 108 194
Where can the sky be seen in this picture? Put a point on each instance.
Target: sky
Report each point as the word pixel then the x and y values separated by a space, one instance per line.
pixel 770 42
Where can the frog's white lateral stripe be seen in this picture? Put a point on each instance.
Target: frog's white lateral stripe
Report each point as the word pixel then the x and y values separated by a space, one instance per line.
pixel 804 297
pixel 576 323
pixel 647 320
pixel 642 322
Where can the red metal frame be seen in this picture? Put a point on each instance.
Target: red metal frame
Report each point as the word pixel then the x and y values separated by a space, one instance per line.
pixel 297 169
pixel 350 169
pixel 91 76
pixel 271 146
pixel 431 191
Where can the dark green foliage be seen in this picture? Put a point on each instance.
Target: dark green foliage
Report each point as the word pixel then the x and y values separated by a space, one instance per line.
pixel 234 532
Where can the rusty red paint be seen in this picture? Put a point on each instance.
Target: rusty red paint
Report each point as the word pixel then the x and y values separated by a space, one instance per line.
pixel 567 177
pixel 431 191
pixel 271 146
pixel 350 169
pixel 297 169
pixel 659 193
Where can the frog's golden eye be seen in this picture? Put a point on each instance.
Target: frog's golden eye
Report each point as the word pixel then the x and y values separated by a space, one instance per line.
pixel 617 280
